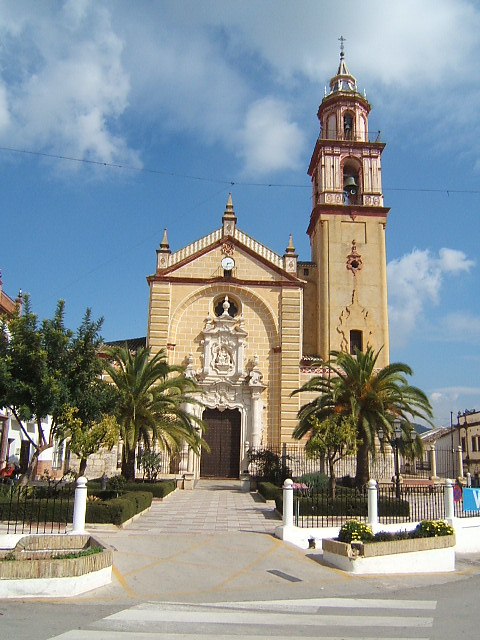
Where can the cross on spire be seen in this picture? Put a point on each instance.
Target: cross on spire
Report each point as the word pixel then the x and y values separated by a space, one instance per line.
pixel 342 47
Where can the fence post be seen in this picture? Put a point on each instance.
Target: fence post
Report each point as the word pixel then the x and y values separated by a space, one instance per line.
pixel 433 462
pixel 80 505
pixel 372 502
pixel 460 460
pixel 448 499
pixel 288 503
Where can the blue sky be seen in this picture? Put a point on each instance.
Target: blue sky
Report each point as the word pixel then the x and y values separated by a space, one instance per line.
pixel 166 106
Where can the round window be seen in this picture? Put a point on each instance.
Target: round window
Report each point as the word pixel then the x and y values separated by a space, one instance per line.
pixel 225 303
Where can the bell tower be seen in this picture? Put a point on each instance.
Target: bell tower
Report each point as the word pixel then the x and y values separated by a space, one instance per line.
pixel 347 223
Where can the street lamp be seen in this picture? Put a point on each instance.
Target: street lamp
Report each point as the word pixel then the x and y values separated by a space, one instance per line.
pixel 395 443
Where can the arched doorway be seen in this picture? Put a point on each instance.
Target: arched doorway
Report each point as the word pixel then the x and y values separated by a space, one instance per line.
pixel 223 437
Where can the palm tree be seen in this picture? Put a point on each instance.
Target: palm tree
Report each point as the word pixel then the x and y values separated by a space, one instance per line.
pixel 351 386
pixel 152 396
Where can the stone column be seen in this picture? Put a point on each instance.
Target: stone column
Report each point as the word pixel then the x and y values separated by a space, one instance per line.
pixel 256 388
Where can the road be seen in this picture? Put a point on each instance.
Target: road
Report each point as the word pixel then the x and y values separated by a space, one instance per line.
pixel 437 607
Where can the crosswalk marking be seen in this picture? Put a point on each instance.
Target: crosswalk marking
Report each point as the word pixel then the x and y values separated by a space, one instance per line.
pixel 144 615
pixel 120 635
pixel 338 603
pixel 279 619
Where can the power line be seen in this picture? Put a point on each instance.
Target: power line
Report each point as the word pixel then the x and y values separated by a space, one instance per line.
pixel 214 180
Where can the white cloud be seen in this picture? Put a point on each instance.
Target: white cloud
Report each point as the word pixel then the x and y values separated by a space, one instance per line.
pixel 78 77
pixel 454 261
pixel 270 140
pixel 301 37
pixel 64 81
pixel 414 281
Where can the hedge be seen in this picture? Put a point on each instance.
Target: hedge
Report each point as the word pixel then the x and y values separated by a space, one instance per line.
pixel 158 489
pixel 36 510
pixel 268 490
pixel 345 505
pixel 118 510
pixel 111 511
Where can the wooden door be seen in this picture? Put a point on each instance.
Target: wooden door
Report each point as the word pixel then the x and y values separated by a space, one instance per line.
pixel 223 436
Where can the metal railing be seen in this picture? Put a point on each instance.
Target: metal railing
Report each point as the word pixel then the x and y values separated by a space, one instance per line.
pixel 36 509
pixel 352 136
pixel 316 508
pixel 291 460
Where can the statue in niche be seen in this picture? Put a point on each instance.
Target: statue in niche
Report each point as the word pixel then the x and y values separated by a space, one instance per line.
pixel 222 358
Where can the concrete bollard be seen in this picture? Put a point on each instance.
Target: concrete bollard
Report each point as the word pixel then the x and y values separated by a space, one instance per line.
pixel 80 505
pixel 448 500
pixel 372 502
pixel 288 503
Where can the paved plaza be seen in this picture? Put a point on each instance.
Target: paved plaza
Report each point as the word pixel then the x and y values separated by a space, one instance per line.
pixel 214 506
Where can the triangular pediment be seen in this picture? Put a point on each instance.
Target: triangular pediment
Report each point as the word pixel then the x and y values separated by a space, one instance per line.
pixel 203 258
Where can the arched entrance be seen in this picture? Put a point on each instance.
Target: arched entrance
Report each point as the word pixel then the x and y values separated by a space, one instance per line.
pixel 223 436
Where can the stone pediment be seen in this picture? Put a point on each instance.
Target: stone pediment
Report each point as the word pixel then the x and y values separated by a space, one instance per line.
pixel 228 241
pixel 238 244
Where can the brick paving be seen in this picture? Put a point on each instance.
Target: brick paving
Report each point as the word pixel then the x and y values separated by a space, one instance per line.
pixel 214 506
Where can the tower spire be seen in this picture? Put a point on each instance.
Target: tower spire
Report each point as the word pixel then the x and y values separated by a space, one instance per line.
pixel 343 80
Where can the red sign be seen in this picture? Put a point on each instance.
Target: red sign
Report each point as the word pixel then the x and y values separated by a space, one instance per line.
pixel 457 493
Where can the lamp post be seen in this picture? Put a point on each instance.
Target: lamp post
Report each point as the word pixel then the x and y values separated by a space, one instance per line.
pixel 395 443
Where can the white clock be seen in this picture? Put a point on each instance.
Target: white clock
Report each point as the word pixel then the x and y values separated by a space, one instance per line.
pixel 228 263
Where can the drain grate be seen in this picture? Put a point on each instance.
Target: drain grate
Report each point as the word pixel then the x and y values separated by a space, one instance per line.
pixel 283 575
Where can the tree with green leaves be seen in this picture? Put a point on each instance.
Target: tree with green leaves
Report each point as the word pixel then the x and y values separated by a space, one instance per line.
pixel 154 404
pixel 88 418
pixel 332 438
pixel 46 369
pixel 86 438
pixel 352 386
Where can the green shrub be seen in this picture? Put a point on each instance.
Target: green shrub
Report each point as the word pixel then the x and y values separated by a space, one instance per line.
pixel 432 529
pixel 116 483
pixel 89 551
pixel 315 480
pixel 158 489
pixel 269 466
pixel 107 494
pixel 393 508
pixel 348 502
pixel 355 531
pixel 118 510
pixel 388 536
pixel 346 481
pixel 269 490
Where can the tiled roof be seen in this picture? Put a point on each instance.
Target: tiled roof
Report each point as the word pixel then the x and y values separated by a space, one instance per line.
pixel 132 343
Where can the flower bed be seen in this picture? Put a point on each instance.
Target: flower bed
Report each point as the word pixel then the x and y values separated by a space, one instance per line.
pixel 427 549
pixel 54 566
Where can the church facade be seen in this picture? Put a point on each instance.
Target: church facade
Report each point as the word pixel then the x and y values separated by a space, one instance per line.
pixel 250 324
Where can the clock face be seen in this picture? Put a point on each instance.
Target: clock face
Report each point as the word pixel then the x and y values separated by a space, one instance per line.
pixel 228 263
